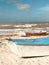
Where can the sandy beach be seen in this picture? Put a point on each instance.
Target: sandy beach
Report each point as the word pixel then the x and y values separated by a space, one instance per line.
pixel 9 54
pixel 9 57
pixel 24 32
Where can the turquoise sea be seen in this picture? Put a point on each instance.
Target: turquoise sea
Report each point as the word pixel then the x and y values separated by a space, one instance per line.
pixel 44 40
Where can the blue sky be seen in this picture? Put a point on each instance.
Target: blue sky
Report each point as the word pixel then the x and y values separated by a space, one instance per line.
pixel 24 10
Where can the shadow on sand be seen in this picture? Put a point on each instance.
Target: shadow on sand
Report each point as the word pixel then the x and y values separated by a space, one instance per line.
pixel 35 56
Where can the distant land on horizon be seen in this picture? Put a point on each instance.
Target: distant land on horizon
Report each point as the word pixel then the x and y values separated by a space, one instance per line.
pixel 22 22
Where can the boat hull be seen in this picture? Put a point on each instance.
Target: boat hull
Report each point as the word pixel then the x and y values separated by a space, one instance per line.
pixel 35 34
pixel 31 50
pixel 27 50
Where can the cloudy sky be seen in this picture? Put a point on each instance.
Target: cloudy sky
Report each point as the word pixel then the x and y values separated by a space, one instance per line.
pixel 24 10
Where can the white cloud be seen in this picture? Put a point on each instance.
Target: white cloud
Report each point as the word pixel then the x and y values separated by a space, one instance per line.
pixel 43 13
pixel 44 8
pixel 22 6
pixel 18 4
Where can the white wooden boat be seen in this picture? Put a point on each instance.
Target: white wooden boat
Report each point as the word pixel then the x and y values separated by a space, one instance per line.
pixel 28 50
pixel 31 50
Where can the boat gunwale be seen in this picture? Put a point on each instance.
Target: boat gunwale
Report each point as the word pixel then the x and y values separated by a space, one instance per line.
pixel 33 44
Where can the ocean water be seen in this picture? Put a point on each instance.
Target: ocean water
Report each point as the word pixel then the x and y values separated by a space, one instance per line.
pixel 44 40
